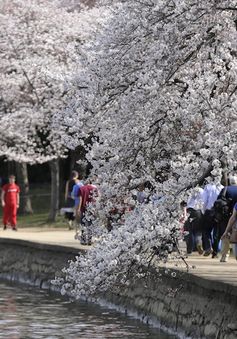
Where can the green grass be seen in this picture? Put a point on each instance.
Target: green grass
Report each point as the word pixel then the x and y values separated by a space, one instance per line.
pixel 39 219
pixel 40 200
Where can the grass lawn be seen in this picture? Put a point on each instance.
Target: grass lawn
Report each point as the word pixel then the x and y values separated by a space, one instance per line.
pixel 39 219
pixel 40 200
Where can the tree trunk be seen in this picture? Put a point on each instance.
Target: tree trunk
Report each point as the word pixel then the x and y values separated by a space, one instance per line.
pixel 22 179
pixel 54 206
pixel 72 157
pixel 224 179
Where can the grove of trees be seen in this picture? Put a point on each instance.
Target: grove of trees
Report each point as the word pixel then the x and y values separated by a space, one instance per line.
pixel 147 88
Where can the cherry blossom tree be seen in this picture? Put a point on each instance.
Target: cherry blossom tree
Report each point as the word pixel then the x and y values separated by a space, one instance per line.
pixel 39 44
pixel 157 97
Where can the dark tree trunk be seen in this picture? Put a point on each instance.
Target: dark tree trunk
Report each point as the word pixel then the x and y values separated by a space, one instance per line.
pixel 73 159
pixel 224 179
pixel 23 182
pixel 78 154
pixel 55 180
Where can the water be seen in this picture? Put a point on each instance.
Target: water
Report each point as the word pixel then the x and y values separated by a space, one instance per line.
pixel 30 313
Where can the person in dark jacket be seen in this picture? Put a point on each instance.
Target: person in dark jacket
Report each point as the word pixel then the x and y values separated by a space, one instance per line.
pixel 194 226
pixel 210 194
pixel 194 223
pixel 229 197
pixel 69 201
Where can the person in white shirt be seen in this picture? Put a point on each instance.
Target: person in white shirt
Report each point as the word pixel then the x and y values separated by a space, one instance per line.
pixel 141 194
pixel 196 199
pixel 210 194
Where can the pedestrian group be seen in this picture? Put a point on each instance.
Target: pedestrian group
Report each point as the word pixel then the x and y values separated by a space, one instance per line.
pixel 209 216
pixel 210 219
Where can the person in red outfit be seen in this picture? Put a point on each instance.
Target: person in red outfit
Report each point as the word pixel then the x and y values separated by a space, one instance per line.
pixel 87 194
pixel 10 202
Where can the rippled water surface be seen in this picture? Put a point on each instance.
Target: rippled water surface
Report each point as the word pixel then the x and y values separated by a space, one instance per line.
pixel 30 313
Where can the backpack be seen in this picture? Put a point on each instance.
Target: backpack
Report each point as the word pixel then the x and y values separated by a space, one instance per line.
pixel 222 208
pixel 194 221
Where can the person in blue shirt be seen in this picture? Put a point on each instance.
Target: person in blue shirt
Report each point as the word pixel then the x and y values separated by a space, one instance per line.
pixel 230 193
pixel 232 224
pixel 75 192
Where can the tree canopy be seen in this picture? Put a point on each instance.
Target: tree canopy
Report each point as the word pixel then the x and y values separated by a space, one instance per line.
pixel 158 95
pixel 39 45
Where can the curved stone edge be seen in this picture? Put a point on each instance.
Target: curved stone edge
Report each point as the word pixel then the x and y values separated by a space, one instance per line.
pixel 42 246
pixel 188 304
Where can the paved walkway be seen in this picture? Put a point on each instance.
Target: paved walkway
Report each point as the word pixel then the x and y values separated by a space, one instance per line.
pixel 206 267
pixel 52 236
pixel 215 270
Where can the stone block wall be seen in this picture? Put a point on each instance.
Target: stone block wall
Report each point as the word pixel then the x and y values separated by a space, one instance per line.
pixel 33 263
pixel 191 306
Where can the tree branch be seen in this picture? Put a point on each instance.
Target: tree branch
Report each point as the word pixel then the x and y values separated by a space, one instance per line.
pixel 23 70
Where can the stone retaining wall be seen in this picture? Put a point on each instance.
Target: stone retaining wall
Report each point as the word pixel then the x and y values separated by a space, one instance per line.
pixel 194 306
pixel 197 307
pixel 33 263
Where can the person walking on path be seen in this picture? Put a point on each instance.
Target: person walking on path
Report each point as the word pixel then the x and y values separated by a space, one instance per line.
pixel 69 201
pixel 87 194
pixel 210 194
pixel 193 225
pixel 232 224
pixel 230 194
pixel 75 193
pixel 10 198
